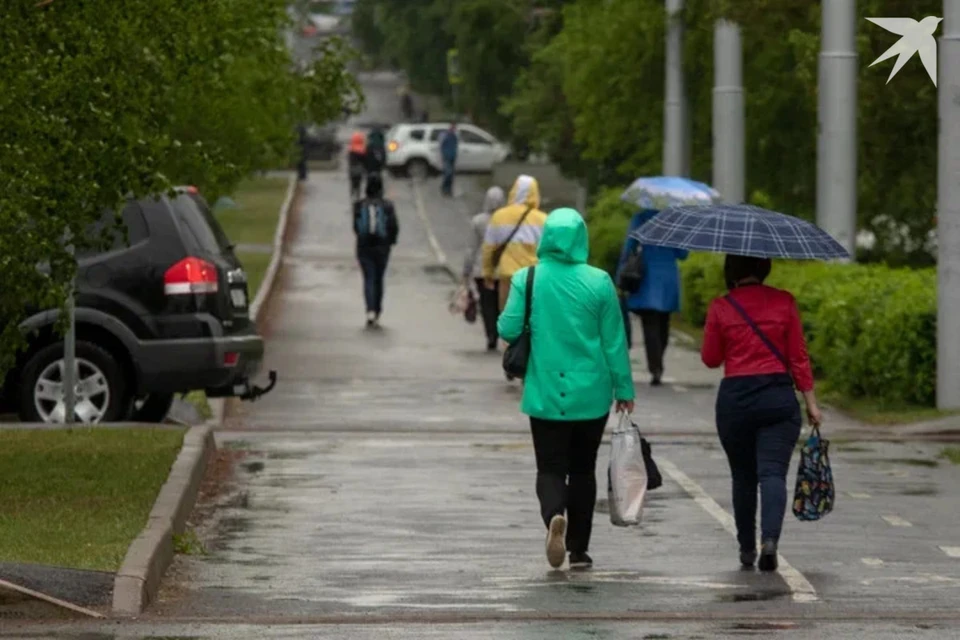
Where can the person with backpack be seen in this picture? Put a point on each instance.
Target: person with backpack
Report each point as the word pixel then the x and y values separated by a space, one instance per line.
pixel 658 295
pixel 376 151
pixel 356 164
pixel 376 227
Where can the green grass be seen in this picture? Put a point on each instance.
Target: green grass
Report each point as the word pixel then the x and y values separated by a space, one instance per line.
pixel 952 454
pixel 871 411
pixel 78 498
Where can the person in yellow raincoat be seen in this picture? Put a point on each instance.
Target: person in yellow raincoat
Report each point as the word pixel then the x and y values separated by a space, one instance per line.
pixel 512 237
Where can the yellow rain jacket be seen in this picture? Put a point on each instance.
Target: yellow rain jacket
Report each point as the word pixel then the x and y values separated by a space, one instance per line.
pixel 522 248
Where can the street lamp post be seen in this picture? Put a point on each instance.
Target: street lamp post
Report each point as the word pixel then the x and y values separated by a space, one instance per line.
pixel 675 122
pixel 728 115
pixel 948 211
pixel 837 135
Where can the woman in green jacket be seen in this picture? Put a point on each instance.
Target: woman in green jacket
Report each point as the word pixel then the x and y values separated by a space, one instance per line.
pixel 579 365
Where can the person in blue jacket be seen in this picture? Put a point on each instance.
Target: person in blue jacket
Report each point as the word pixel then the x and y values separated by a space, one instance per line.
pixel 449 146
pixel 658 295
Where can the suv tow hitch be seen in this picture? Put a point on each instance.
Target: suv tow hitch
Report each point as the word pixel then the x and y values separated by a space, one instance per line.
pixel 254 392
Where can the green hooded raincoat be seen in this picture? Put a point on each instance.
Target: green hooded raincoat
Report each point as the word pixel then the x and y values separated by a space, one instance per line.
pixel 579 363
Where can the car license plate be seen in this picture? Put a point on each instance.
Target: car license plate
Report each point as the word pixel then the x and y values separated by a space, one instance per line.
pixel 239 298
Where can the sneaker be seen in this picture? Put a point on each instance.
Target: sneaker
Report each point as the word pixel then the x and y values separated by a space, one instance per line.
pixel 748 558
pixel 768 556
pixel 656 381
pixel 580 560
pixel 491 346
pixel 556 541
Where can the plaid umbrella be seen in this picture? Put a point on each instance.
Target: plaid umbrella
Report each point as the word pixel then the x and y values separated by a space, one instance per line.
pixel 741 230
pixel 668 191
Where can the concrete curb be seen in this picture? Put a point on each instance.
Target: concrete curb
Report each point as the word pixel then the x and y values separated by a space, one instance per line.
pixel 218 405
pixel 148 557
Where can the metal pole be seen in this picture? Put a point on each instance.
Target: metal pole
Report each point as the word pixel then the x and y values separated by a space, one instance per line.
pixel 837 136
pixel 948 211
pixel 675 122
pixel 69 378
pixel 728 113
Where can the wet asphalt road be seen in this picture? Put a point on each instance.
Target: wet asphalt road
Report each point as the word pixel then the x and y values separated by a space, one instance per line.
pixel 388 490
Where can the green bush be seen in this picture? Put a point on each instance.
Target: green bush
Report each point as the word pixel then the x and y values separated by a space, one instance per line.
pixel 871 330
pixel 607 220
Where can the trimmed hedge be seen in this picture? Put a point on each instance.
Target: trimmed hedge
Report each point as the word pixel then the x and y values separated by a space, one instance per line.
pixel 871 330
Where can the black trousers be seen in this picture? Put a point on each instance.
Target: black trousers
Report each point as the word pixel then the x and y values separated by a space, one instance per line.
pixel 656 336
pixel 758 420
pixel 373 264
pixel 566 453
pixel 356 182
pixel 489 311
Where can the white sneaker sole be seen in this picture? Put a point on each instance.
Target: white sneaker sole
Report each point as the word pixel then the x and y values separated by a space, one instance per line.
pixel 557 541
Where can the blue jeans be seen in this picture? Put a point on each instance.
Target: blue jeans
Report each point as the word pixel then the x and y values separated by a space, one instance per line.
pixel 448 170
pixel 758 419
pixel 373 263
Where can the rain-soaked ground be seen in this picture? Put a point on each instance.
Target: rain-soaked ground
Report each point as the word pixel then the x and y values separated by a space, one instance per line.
pixel 387 489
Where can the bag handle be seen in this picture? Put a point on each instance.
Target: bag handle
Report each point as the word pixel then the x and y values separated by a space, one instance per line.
pixel 753 325
pixel 528 295
pixel 501 248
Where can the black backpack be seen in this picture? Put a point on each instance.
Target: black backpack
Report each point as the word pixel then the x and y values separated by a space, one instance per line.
pixel 633 271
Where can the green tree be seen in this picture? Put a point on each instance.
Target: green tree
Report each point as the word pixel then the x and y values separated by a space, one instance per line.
pixel 102 101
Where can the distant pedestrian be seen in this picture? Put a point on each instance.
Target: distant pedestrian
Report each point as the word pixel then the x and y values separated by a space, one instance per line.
pixel 424 116
pixel 756 334
pixel 449 146
pixel 579 365
pixel 406 104
pixel 376 227
pixel 473 264
pixel 512 237
pixel 356 164
pixel 303 141
pixel 658 296
pixel 376 151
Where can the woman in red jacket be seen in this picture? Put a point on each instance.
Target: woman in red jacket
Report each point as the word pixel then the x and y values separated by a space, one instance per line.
pixel 755 333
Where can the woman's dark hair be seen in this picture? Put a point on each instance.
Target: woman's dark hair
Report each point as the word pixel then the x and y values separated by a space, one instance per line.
pixel 739 268
pixel 374 186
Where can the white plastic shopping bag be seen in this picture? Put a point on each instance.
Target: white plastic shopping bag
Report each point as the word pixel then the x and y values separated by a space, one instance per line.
pixel 626 475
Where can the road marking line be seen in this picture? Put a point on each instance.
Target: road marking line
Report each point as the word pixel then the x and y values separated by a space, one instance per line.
pixel 859 496
pixel 896 521
pixel 422 212
pixel 799 586
pixel 953 552
pixel 680 388
pixel 872 562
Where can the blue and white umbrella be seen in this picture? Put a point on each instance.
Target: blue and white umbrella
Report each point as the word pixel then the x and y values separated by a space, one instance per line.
pixel 666 191
pixel 741 230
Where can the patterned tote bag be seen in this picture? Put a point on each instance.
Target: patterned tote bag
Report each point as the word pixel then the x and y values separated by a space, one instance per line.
pixel 814 494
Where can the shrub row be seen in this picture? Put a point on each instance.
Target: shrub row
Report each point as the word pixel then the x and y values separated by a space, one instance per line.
pixel 871 330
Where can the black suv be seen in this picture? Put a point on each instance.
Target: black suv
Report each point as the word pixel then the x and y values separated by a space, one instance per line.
pixel 162 311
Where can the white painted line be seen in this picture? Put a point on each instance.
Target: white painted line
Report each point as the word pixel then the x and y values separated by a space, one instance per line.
pixel 859 496
pixel 680 388
pixel 896 521
pixel 872 562
pixel 422 212
pixel 799 586
pixel 953 552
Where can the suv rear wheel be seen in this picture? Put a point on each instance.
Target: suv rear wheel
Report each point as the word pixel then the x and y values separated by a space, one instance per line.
pixel 101 394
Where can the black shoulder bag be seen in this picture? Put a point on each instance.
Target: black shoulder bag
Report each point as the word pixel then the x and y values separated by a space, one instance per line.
pixel 498 252
pixel 632 272
pixel 517 355
pixel 760 334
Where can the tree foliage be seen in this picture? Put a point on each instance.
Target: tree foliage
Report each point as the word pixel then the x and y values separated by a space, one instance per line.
pixel 106 100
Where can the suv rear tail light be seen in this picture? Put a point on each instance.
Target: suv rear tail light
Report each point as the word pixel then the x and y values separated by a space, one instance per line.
pixel 231 358
pixel 190 275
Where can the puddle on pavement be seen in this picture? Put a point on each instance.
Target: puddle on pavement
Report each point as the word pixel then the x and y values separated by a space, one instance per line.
pixel 234 525
pixel 764 596
pixel 759 627
pixel 253 467
pixel 927 490
pixel 288 455
pixel 496 448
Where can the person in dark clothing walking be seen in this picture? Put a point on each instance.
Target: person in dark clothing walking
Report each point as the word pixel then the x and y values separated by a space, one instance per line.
pixel 376 227
pixel 303 140
pixel 658 295
pixel 758 416
pixel 356 164
pixel 473 264
pixel 376 151
pixel 449 145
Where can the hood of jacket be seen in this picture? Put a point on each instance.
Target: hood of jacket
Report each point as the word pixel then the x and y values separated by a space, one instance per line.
pixel 358 143
pixel 564 237
pixel 493 200
pixel 525 191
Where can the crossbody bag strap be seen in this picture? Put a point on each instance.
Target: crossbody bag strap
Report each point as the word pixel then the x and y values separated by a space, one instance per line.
pixel 528 299
pixel 503 246
pixel 753 325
